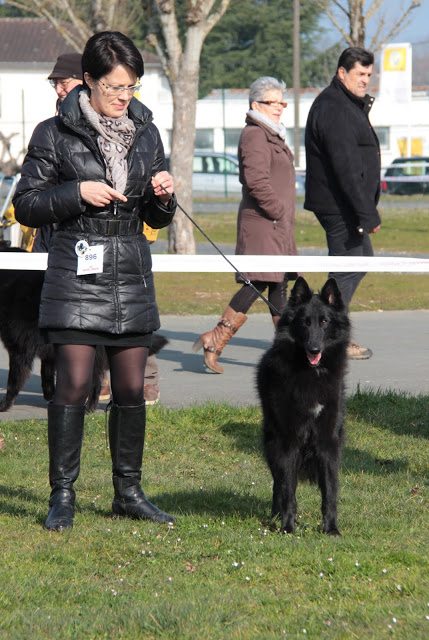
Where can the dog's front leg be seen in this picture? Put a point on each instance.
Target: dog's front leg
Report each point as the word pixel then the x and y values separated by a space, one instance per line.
pixel 286 486
pixel 328 467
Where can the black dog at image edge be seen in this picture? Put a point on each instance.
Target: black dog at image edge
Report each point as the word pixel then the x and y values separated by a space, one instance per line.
pixel 300 381
pixel 19 315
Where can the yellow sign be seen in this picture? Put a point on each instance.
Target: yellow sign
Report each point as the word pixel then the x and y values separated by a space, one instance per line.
pixel 395 59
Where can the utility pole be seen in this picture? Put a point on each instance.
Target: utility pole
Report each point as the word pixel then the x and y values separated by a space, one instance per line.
pixel 296 80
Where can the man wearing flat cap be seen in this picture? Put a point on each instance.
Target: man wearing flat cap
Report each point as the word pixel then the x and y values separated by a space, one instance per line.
pixel 66 74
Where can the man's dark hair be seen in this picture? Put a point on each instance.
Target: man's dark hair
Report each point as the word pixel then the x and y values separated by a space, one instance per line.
pixel 350 56
pixel 106 50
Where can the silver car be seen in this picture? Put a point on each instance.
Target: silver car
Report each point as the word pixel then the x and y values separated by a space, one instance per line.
pixel 214 174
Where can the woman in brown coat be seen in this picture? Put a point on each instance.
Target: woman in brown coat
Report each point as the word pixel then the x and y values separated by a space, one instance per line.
pixel 266 214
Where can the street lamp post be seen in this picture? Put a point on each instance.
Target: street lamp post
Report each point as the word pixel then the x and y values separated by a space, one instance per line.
pixel 296 80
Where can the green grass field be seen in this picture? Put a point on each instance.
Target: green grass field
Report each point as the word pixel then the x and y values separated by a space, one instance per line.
pixel 223 571
pixel 403 230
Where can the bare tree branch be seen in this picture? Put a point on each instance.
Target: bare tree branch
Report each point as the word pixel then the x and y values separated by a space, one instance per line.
pixel 340 6
pixel 179 51
pixel 372 9
pixel 85 17
pixel 357 20
pixel 339 27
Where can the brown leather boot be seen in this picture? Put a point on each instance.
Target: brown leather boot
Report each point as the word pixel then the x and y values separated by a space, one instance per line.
pixel 214 341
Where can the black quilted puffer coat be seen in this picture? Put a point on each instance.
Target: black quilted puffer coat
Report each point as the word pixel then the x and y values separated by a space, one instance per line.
pixel 61 154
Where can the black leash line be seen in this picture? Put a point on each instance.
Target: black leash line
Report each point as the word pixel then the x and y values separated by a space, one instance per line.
pixel 245 280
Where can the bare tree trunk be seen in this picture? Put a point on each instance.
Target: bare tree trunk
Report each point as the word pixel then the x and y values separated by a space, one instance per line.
pixel 180 233
pixel 182 65
pixel 357 23
pixel 353 12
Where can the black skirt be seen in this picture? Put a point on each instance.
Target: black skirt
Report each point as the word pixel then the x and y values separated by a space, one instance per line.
pixel 75 336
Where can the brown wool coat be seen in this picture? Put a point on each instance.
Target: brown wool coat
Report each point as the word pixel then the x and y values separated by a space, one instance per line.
pixel 266 215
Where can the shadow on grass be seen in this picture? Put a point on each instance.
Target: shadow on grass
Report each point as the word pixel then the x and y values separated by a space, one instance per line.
pixel 355 460
pixel 247 438
pixel 211 502
pixel 22 502
pixel 399 412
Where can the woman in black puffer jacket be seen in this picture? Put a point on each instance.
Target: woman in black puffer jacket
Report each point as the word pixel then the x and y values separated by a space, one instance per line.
pixel 96 171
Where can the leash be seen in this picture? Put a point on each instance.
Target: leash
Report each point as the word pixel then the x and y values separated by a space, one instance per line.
pixel 245 280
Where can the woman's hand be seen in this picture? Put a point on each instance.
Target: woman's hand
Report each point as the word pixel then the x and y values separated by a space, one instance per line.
pixel 99 194
pixel 166 180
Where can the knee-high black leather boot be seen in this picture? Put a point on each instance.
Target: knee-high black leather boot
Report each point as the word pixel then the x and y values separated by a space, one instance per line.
pixel 126 438
pixel 65 433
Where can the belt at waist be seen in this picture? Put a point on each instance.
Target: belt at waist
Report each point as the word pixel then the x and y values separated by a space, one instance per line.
pixel 116 227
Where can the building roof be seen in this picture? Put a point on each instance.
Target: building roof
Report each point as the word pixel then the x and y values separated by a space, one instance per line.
pixel 30 40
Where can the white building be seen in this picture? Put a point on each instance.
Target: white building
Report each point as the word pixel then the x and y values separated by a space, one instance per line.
pixel 30 46
pixel 394 123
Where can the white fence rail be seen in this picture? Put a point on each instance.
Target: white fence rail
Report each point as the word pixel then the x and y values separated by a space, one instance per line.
pixel 217 264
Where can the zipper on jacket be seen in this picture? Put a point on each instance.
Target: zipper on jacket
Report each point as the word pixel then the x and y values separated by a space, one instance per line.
pixel 114 241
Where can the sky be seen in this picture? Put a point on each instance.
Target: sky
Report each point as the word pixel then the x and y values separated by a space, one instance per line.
pixel 416 32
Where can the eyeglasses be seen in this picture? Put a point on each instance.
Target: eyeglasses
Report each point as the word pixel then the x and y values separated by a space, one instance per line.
pixel 111 90
pixel 54 82
pixel 273 103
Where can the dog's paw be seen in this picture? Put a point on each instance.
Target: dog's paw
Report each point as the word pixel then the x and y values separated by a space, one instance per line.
pixel 48 393
pixel 330 528
pixel 6 404
pixel 333 532
pixel 288 525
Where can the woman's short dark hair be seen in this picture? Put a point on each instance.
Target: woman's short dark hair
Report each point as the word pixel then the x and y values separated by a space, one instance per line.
pixel 106 50
pixel 350 56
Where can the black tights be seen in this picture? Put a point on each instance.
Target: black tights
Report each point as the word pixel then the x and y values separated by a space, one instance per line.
pixel 246 296
pixel 75 363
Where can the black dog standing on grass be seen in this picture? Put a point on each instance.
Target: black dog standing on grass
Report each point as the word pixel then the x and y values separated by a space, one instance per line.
pixel 300 382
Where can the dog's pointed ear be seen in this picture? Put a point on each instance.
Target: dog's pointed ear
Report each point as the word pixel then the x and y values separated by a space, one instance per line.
pixel 301 292
pixel 331 295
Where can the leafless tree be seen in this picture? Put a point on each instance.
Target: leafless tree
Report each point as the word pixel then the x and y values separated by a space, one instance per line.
pixel 85 17
pixel 351 18
pixel 178 42
pixel 180 58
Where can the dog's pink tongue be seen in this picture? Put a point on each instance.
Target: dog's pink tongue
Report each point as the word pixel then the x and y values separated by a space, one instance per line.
pixel 314 358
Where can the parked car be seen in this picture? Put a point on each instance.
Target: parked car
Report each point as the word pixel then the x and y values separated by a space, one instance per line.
pixel 300 183
pixel 416 171
pixel 214 173
pixel 10 230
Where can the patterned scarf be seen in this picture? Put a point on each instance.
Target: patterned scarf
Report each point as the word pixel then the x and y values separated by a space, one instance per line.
pixel 115 139
pixel 279 129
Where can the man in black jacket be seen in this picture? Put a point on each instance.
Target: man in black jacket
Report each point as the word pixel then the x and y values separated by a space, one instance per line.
pixel 343 168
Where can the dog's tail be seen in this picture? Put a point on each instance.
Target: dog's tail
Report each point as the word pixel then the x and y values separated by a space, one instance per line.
pixel 158 342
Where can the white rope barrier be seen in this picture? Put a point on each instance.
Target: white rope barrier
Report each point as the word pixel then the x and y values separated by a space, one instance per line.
pixel 163 263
